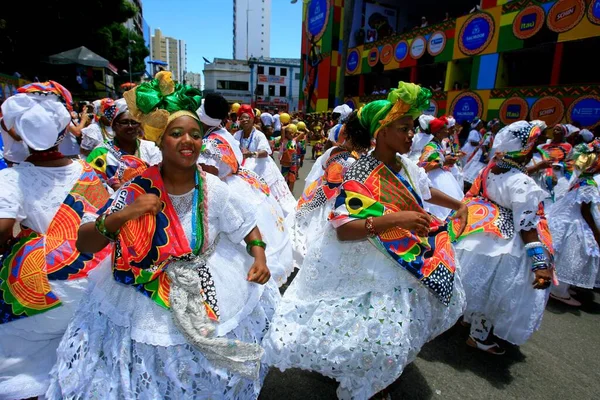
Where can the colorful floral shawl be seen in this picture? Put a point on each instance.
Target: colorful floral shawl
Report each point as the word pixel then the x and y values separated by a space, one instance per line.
pixel 147 245
pixel 34 258
pixel 432 157
pixel 371 189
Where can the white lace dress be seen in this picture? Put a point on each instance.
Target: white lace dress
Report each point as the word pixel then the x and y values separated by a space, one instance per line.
pixel 270 218
pixel 267 168
pixel 121 345
pixel 474 167
pixel 497 272
pixel 577 254
pixel 32 195
pixel 91 136
pixel 355 316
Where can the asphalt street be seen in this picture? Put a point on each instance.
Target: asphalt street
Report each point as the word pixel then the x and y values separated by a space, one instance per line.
pixel 560 361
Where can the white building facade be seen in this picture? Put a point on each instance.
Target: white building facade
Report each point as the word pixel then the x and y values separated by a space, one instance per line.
pixel 230 78
pixel 275 83
pixel 251 29
pixel 194 80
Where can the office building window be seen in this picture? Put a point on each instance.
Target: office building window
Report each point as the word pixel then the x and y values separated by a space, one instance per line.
pixel 261 70
pixel 283 71
pixel 271 90
pixel 272 71
pixel 283 91
pixel 232 85
pixel 297 76
pixel 260 90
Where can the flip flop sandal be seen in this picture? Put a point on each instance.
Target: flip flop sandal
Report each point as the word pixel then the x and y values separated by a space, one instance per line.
pixel 568 301
pixel 493 349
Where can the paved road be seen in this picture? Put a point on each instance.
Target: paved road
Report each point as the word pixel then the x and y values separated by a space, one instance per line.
pixel 561 361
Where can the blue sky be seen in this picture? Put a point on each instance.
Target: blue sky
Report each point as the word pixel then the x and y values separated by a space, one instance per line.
pixel 207 27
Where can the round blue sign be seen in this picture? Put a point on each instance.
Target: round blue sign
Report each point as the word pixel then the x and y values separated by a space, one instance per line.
pixel 353 59
pixel 595 11
pixel 476 34
pixel 317 16
pixel 466 108
pixel 401 51
pixel 586 111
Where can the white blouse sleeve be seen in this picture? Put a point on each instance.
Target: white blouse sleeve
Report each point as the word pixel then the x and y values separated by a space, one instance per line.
pixel 235 218
pixel 525 197
pixel 154 154
pixel 474 136
pixel 11 196
pixel 261 142
pixel 91 137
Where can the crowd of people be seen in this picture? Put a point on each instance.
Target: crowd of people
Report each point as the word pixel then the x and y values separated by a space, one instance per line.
pixel 145 240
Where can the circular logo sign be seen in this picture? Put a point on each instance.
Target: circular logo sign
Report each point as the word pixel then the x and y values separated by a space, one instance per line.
pixel 401 51
pixel 549 109
pixel 417 47
pixel 466 107
pixel 586 111
pixel 317 18
pixel 373 57
pixel 353 60
pixel 476 34
pixel 437 43
pixel 528 22
pixel 594 12
pixel 513 109
pixel 386 53
pixel 565 15
pixel 433 108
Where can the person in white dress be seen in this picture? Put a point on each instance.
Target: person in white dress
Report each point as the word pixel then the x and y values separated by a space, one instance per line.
pixel 473 140
pixel 438 166
pixel 126 156
pixel 574 220
pixel 100 130
pixel 354 312
pixel 42 276
pixel 221 156
pixel 256 152
pixel 317 200
pixel 504 250
pixel 183 312
pixel 480 157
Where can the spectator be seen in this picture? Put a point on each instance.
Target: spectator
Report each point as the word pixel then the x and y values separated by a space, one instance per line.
pixel 447 17
pixel 424 22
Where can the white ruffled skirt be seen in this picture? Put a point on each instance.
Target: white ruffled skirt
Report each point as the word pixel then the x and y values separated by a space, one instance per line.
pixel 355 316
pixel 498 281
pixel 121 345
pixel 577 255
pixel 268 170
pixel 28 345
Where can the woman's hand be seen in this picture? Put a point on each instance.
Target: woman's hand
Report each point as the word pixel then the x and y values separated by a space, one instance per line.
pixel 462 214
pixel 259 272
pixel 450 160
pixel 145 204
pixel 414 221
pixel 543 279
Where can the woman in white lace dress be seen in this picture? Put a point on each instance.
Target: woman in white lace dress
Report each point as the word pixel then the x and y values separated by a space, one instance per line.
pixel 183 312
pixel 361 307
pixel 42 276
pixel 256 152
pixel 574 220
pixel 221 156
pixel 503 252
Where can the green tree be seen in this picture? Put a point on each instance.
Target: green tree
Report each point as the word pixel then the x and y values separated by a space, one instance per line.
pixel 40 28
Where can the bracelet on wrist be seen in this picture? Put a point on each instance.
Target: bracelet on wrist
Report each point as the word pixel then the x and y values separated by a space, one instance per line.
pixel 536 251
pixel 254 243
pixel 101 228
pixel 370 227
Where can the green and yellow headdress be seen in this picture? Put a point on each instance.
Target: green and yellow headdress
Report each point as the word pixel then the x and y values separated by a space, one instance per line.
pixel 408 99
pixel 158 102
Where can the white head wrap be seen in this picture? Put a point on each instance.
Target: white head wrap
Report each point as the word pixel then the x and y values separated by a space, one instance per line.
pixel 538 122
pixel 39 120
pixel 571 129
pixel 586 135
pixel 451 122
pixel 120 107
pixel 267 119
pixel 344 110
pixel 424 121
pixel 205 118
pixel 507 140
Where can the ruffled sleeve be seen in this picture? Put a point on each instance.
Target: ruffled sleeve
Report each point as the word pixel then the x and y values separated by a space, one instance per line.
pixel 525 198
pixel 11 196
pixel 588 194
pixel 91 137
pixel 261 142
pixel 153 155
pixel 418 177
pixel 235 218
